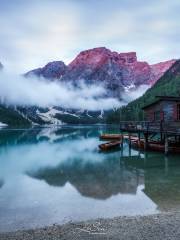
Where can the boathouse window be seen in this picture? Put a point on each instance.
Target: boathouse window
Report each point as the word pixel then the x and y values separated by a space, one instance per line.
pixel 157 116
pixel 178 111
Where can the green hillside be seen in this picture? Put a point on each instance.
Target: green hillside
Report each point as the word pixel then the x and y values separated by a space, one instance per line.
pixel 11 117
pixel 168 85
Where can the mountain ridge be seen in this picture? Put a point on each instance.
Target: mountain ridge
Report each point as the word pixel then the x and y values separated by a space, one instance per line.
pixel 52 70
pixel 117 72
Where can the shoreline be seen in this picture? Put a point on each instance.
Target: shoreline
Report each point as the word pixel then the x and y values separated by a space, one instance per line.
pixel 163 226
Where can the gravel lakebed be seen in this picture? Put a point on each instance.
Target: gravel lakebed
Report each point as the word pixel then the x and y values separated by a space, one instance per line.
pixel 159 226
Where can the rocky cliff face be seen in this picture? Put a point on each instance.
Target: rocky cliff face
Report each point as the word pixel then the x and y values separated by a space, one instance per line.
pixel 53 70
pixel 118 72
pixel 158 70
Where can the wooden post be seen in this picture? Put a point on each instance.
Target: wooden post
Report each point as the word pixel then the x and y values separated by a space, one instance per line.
pixel 129 145
pixel 122 140
pixel 145 141
pixel 139 139
pixel 161 130
pixel 161 137
pixel 129 140
pixel 166 145
pixel 166 165
pixel 145 158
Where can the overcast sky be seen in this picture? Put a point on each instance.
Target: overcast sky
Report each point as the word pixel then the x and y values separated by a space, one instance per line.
pixel 38 31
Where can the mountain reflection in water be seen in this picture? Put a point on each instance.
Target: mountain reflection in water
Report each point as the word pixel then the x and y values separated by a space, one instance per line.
pixel 97 180
pixel 53 175
pixel 1 183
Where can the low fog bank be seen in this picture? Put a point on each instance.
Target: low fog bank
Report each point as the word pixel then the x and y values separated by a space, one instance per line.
pixel 135 93
pixel 18 90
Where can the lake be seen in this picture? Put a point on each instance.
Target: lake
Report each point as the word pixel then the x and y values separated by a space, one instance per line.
pixel 57 175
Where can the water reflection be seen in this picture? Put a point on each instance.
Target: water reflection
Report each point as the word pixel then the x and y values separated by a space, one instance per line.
pixel 161 178
pixel 11 137
pixel 57 175
pixel 1 183
pixel 96 180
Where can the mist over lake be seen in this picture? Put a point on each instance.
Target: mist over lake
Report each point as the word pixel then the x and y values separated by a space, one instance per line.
pixel 57 175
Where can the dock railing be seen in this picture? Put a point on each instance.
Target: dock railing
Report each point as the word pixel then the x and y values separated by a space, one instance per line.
pixel 151 126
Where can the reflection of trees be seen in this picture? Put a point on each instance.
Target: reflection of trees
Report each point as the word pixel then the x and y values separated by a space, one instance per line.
pixel 34 135
pixel 97 180
pixel 18 136
pixel 163 187
pixel 161 178
pixel 28 136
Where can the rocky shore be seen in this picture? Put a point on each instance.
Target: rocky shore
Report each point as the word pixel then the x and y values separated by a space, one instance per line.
pixel 162 226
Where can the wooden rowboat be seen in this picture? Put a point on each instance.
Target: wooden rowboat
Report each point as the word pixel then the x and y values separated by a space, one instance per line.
pixel 110 136
pixel 155 146
pixel 109 145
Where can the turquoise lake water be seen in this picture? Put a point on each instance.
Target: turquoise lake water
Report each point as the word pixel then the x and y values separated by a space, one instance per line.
pixel 56 175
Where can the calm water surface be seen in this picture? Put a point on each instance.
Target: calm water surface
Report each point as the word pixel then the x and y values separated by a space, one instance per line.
pixel 57 175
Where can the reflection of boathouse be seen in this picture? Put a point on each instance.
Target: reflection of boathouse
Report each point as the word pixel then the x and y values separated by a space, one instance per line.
pixel 161 178
pixel 162 184
pixel 163 188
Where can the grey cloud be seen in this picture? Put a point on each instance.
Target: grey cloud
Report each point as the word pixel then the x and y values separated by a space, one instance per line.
pixel 17 90
pixel 33 33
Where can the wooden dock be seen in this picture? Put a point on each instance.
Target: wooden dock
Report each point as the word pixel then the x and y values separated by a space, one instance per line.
pixel 166 133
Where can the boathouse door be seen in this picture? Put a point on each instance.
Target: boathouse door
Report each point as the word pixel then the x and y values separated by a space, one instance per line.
pixel 178 112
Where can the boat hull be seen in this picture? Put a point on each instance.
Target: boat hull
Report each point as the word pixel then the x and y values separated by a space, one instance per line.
pixel 110 136
pixel 155 146
pixel 110 145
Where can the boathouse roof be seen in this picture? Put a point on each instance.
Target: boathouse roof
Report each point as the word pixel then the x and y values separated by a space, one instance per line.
pixel 162 98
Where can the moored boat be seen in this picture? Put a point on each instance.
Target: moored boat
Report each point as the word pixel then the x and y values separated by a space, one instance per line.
pixel 155 146
pixel 109 145
pixel 110 136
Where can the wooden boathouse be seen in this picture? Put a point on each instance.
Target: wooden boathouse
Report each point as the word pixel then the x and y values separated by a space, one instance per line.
pixel 161 128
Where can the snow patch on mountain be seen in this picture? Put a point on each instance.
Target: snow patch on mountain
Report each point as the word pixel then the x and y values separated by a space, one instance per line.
pixel 49 116
pixel 101 115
